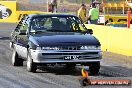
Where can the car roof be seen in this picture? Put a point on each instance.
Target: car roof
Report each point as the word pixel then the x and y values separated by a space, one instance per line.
pixel 50 15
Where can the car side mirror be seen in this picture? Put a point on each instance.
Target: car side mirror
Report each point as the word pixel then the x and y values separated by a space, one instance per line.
pixel 90 31
pixel 22 32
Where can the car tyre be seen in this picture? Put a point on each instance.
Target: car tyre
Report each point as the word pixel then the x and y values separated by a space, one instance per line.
pixel 16 61
pixel 94 68
pixel 31 66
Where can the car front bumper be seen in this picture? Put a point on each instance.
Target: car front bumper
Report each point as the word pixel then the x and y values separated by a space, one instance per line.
pixel 58 56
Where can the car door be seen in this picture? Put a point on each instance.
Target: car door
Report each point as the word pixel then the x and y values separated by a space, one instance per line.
pixel 22 38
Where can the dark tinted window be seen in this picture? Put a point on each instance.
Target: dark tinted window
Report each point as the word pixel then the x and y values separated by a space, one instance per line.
pixel 56 24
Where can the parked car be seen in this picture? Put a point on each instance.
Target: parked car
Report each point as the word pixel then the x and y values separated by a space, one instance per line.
pixel 43 39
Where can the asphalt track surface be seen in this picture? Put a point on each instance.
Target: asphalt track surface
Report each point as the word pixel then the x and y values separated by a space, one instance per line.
pixel 57 76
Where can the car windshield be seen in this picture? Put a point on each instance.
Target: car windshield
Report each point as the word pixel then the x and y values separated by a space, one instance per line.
pixel 56 24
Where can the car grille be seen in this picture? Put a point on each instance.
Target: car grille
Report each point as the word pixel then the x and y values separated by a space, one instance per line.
pixel 70 48
pixel 88 53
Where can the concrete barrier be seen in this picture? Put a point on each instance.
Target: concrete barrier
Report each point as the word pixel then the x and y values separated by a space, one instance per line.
pixel 113 39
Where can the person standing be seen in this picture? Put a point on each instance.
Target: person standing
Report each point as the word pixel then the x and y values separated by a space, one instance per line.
pixel 54 5
pixel 49 7
pixel 93 14
pixel 82 12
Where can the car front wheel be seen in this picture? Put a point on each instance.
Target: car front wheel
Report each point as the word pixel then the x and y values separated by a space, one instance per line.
pixel 94 68
pixel 16 61
pixel 31 66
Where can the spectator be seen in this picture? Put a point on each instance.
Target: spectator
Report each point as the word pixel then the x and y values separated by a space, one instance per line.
pixel 82 13
pixel 54 5
pixel 49 7
pixel 93 14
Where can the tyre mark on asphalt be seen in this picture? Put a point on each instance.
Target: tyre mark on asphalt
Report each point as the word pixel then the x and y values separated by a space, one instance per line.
pixel 3 55
pixel 61 76
pixel 4 38
pixel 43 77
pixel 18 73
pixel 5 52
pixel 5 44
pixel 11 82
pixel 11 77
pixel 115 72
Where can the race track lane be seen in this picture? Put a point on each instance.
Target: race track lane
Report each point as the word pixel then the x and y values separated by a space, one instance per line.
pixel 51 77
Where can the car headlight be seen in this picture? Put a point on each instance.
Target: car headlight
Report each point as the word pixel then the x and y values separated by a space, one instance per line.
pixel 50 48
pixel 47 48
pixel 90 47
pixel 38 48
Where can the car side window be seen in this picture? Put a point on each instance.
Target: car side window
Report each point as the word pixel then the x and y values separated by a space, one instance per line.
pixel 48 23
pixel 19 24
pixel 24 25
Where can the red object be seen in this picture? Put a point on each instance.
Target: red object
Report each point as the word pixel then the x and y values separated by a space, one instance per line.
pixel 128 17
pixel 49 7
